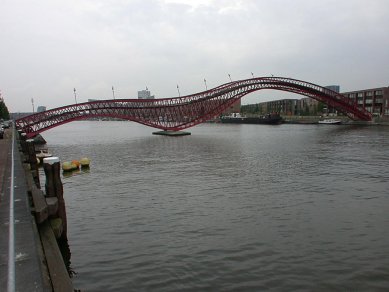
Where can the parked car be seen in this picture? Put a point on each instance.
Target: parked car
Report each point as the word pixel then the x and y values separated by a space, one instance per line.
pixel 6 124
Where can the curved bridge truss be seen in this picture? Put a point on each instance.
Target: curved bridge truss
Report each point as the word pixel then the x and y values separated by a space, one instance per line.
pixel 187 111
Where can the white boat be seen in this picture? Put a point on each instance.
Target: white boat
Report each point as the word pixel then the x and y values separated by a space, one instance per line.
pixel 330 122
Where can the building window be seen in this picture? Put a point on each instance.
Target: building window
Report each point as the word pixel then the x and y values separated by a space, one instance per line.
pixel 378 92
pixel 360 94
pixel 369 93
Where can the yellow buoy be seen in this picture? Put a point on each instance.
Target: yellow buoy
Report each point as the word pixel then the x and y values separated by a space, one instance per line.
pixel 67 166
pixel 76 163
pixel 84 162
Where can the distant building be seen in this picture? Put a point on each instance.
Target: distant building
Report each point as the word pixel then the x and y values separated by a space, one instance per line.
pixel 40 109
pixel 374 100
pixel 309 107
pixel 328 110
pixel 289 107
pixel 145 94
pixel 235 108
pixel 335 88
pixel 19 115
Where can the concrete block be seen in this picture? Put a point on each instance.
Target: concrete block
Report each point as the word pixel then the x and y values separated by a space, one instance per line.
pixel 56 225
pixel 40 207
pixel 52 204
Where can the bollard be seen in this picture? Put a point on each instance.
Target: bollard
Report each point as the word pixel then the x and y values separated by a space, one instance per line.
pixel 54 188
pixel 19 138
pixel 23 137
pixel 31 159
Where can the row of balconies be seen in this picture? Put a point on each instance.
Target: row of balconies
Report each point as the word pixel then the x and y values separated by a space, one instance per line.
pixel 370 101
pixel 376 93
pixel 376 109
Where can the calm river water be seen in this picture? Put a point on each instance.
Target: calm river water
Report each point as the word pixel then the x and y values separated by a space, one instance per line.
pixel 229 208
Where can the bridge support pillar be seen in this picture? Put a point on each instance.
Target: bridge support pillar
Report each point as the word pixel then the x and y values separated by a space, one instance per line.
pixel 172 133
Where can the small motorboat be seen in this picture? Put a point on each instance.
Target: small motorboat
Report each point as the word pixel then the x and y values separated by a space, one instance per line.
pixel 330 122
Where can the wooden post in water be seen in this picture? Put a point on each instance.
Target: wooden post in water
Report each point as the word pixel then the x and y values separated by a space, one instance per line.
pixel 31 159
pixel 23 137
pixel 54 188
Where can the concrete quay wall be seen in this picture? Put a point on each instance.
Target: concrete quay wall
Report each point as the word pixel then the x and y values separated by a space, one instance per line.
pixel 29 254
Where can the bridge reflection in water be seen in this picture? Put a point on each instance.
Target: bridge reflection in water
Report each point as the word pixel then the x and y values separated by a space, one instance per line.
pixel 179 113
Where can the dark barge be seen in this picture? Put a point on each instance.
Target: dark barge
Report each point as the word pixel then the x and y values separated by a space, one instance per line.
pixel 236 118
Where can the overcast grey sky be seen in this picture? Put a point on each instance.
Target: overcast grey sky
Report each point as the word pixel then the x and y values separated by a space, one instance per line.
pixel 49 47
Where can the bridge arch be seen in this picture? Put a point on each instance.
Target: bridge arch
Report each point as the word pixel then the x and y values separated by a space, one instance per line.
pixel 179 113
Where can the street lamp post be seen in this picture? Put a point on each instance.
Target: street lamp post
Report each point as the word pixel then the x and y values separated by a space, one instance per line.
pixel 33 108
pixel 229 76
pixel 75 95
pixel 113 93
pixel 205 82
pixel 178 89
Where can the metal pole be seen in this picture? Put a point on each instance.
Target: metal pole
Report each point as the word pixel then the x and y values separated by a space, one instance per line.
pixel 113 93
pixel 75 96
pixel 230 77
pixel 252 74
pixel 32 102
pixel 205 82
pixel 178 89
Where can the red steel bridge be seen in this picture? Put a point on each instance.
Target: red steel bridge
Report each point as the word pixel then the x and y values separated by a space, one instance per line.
pixel 179 113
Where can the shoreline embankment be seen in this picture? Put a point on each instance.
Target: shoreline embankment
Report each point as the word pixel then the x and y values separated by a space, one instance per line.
pixel 38 263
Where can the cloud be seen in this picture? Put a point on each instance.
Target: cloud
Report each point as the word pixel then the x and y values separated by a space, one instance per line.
pixel 51 47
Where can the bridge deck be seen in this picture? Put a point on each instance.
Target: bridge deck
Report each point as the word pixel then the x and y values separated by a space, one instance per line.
pixel 26 246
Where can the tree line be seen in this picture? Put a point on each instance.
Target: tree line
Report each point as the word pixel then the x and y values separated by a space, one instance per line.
pixel 4 113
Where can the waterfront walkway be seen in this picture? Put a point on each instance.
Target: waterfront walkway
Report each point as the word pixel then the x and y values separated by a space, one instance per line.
pixel 21 266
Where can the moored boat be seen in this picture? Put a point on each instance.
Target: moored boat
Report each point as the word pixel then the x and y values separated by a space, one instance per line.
pixel 330 121
pixel 236 118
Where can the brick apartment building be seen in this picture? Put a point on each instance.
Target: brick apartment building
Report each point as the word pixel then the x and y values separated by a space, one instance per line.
pixel 374 100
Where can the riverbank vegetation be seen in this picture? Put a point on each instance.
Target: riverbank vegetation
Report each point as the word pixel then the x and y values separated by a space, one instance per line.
pixel 4 113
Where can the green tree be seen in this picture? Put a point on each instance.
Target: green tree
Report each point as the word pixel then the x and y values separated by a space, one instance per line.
pixel 320 108
pixel 4 113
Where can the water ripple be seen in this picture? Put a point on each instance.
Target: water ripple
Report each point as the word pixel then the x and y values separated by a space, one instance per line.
pixel 229 208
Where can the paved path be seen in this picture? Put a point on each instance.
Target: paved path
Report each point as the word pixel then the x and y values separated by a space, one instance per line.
pixel 26 267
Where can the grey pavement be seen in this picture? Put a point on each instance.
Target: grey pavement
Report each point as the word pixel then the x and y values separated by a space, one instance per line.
pixel 27 248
